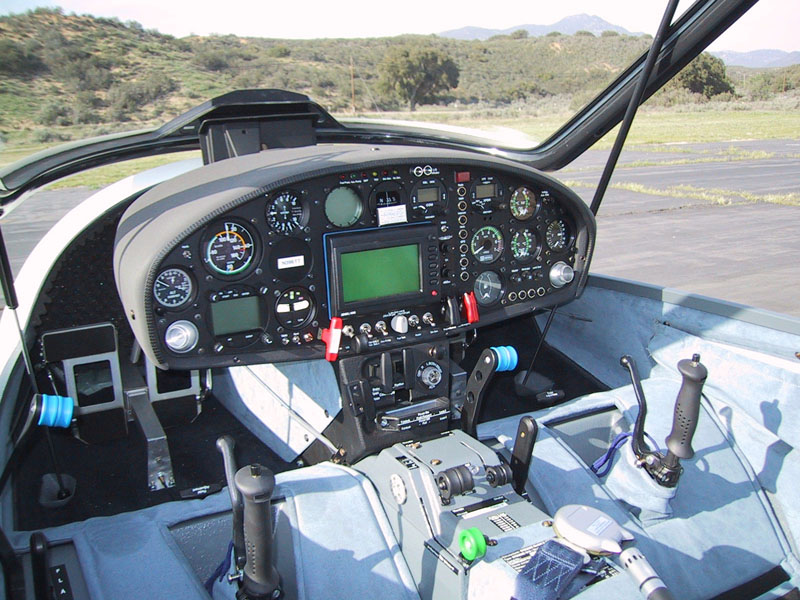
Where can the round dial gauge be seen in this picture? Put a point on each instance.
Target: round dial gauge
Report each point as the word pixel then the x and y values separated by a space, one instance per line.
pixel 488 288
pixel 487 244
pixel 173 288
pixel 287 213
pixel 294 308
pixel 230 250
pixel 523 203
pixel 343 207
pixel 524 246
pixel 557 235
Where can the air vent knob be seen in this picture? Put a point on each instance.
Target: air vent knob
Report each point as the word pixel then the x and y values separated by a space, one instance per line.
pixel 561 274
pixel 181 336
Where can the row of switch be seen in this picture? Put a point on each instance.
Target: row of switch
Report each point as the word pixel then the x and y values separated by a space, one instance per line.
pixel 399 324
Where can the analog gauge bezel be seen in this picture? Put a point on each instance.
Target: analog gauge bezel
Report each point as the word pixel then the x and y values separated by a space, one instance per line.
pixel 185 298
pixel 217 229
pixel 297 219
pixel 567 235
pixel 359 212
pixel 392 214
pixel 311 311
pixel 495 252
pixel 536 246
pixel 533 203
pixel 493 299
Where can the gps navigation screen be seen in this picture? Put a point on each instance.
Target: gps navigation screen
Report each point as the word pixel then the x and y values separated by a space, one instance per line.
pixel 381 273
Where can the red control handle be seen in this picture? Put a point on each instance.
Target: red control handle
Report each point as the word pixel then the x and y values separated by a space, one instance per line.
pixel 332 336
pixel 470 307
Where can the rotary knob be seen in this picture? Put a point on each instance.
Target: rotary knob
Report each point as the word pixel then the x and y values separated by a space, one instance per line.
pixel 561 274
pixel 429 374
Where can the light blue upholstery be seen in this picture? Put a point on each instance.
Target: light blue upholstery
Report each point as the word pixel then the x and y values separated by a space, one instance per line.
pixel 341 541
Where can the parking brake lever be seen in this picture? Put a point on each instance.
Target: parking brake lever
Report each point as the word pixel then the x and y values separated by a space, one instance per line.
pixel 225 445
pixel 666 469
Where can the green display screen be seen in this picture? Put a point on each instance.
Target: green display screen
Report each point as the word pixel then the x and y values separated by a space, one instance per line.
pixel 373 274
pixel 236 315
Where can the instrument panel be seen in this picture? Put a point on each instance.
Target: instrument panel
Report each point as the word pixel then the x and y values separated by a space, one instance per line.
pixel 402 251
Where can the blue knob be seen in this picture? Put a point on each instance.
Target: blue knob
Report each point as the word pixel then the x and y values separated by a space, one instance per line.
pixel 506 358
pixel 56 411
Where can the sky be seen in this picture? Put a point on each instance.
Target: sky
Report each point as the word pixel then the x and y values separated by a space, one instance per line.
pixel 770 24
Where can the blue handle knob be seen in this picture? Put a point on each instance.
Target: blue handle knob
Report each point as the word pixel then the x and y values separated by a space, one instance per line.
pixel 506 358
pixel 56 411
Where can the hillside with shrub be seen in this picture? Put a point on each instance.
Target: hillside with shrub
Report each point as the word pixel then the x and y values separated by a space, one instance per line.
pixel 64 75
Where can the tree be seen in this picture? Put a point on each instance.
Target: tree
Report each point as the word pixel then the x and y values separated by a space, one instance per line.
pixel 417 74
pixel 705 75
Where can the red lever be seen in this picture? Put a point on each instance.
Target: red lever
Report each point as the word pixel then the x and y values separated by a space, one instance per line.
pixel 332 338
pixel 471 307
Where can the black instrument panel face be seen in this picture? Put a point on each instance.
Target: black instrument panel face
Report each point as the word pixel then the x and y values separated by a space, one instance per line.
pixel 404 253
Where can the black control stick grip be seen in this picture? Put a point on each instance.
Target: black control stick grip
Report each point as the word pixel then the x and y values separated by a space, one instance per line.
pixel 256 484
pixel 687 407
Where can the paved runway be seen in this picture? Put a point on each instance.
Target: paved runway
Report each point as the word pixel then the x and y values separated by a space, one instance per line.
pixel 704 218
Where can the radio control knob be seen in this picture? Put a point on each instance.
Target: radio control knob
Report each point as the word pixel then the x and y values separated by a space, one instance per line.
pixel 399 324
pixel 561 274
pixel 427 318
pixel 380 327
pixel 181 336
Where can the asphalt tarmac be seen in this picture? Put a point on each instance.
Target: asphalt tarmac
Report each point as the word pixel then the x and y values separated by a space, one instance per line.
pixel 713 219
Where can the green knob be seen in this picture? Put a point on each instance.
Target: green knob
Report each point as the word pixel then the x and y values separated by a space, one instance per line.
pixel 472 543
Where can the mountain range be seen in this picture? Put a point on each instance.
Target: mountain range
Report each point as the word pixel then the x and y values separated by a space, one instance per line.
pixel 567 26
pixel 757 59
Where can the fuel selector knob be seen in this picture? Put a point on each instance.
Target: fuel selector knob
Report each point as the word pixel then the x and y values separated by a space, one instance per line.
pixel 561 274
pixel 399 324
pixel 429 374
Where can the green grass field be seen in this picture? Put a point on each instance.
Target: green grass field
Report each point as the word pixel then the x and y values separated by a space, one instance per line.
pixel 651 127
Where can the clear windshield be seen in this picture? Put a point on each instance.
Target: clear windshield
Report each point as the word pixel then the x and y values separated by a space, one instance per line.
pixel 66 77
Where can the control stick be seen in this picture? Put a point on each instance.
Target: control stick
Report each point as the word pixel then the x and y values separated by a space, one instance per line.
pixel 256 483
pixel 666 469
